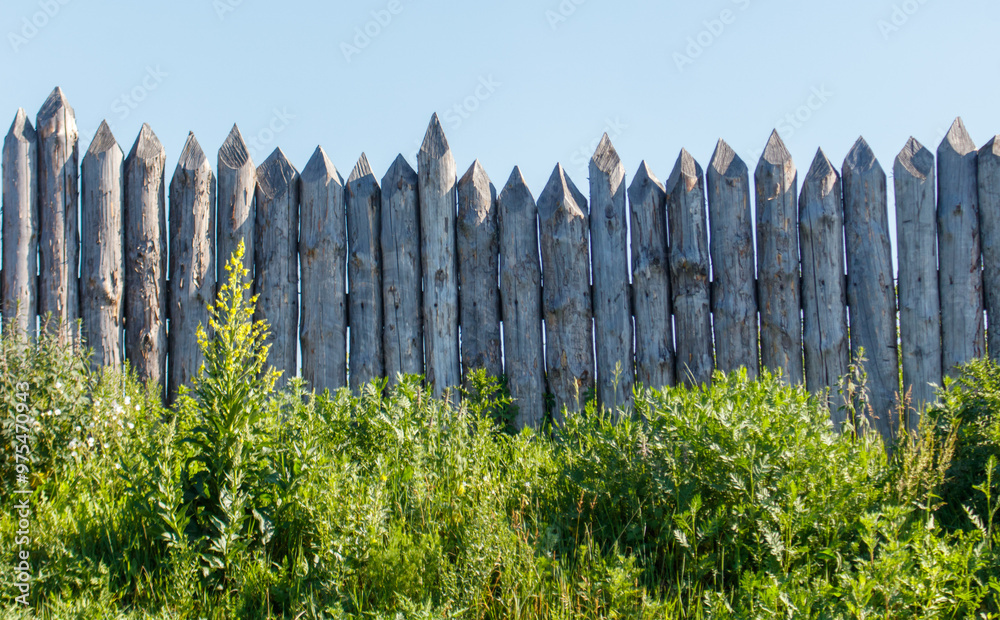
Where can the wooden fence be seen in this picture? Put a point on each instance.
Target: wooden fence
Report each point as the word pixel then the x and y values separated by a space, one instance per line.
pixel 437 274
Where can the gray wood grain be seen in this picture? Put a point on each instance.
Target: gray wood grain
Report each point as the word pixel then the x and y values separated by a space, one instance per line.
pixel 521 299
pixel 689 270
pixel 566 300
pixel 478 271
pixel 988 179
pixel 403 325
pixel 146 257
pixel 651 299
pixel 276 259
pixel 192 261
pixel 824 299
pixel 323 269
pixel 919 304
pixel 236 216
pixel 778 294
pixel 364 274
pixel 437 179
pixel 961 281
pixel 20 226
pixel 58 200
pixel 870 295
pixel 734 287
pixel 102 270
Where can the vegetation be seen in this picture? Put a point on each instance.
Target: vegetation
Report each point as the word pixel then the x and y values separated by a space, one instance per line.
pixel 242 501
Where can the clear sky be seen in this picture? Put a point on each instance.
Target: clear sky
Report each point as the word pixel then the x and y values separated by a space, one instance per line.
pixel 519 82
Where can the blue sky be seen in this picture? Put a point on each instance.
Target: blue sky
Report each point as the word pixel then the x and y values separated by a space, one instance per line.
pixel 519 82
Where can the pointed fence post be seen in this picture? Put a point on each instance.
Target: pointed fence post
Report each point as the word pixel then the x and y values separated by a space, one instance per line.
pixel 20 226
pixel 436 171
pixel 146 257
pixel 961 281
pixel 689 269
pixel 58 200
pixel 237 183
pixel 870 295
pixel 734 294
pixel 403 329
pixel 323 265
pixel 824 300
pixel 919 304
pixel 103 266
pixel 651 298
pixel 364 273
pixel 276 259
pixel 521 298
pixel 478 270
pixel 610 267
pixel 988 174
pixel 192 261
pixel 563 233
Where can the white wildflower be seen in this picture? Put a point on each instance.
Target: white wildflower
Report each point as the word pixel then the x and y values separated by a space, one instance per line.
pixel 128 400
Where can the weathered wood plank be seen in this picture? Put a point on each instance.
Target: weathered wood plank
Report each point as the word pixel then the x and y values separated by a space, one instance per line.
pixel 478 270
pixel 58 199
pixel 919 304
pixel 778 292
pixel 960 281
pixel 612 298
pixel 403 329
pixel 237 184
pixel 20 226
pixel 146 257
pixel 734 294
pixel 651 298
pixel 276 259
pixel 192 261
pixel 870 295
pixel 689 270
pixel 824 300
pixel 988 180
pixel 437 178
pixel 563 233
pixel 323 266
pixel 102 272
pixel 364 274
pixel 521 298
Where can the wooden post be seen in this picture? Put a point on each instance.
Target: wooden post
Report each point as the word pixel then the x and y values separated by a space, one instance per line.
pixel 436 170
pixel 612 298
pixel 192 261
pixel 870 294
pixel 20 226
pixel 103 266
pixel 323 265
pixel 403 329
pixel 734 294
pixel 919 304
pixel 146 257
pixel 569 352
pixel 58 195
pixel 651 298
pixel 989 229
pixel 961 281
pixel 478 270
pixel 824 300
pixel 237 182
pixel 521 298
pixel 689 269
pixel 778 261
pixel 276 259
pixel 364 273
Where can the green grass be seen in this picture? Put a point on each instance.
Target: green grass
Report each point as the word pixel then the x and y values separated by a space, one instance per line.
pixel 246 502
